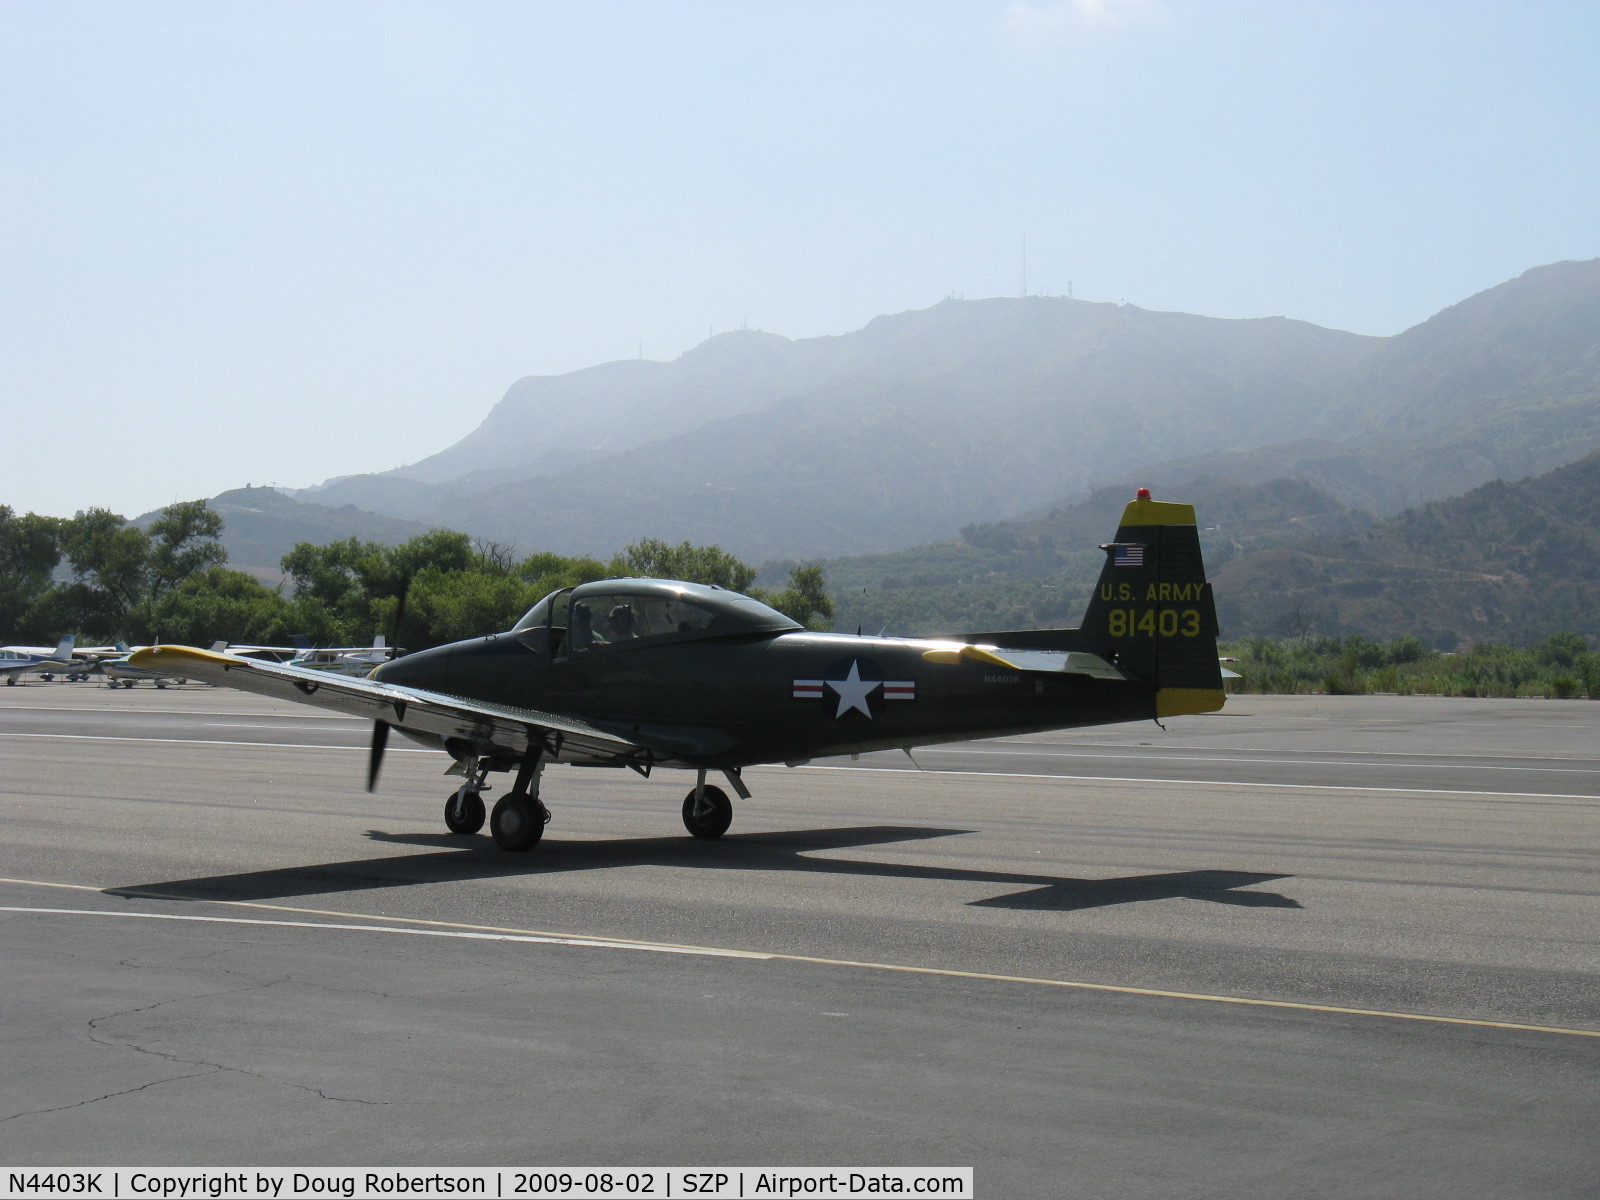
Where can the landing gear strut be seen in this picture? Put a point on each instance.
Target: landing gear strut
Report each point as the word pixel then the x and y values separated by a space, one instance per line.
pixel 519 817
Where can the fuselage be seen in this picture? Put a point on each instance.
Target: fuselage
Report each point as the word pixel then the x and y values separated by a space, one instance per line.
pixel 783 697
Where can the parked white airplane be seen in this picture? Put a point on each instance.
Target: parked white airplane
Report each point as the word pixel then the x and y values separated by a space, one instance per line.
pixel 340 660
pixel 119 674
pixel 17 661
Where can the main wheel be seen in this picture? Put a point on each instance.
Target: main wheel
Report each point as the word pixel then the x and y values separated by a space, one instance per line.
pixel 711 816
pixel 517 822
pixel 472 813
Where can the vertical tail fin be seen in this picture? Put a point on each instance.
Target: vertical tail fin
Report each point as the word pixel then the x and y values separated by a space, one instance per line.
pixel 64 648
pixel 1152 610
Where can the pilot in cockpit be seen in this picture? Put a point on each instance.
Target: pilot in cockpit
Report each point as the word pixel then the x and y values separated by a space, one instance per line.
pixel 583 635
pixel 620 623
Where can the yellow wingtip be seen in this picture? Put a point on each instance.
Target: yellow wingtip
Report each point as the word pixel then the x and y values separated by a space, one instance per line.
pixel 155 658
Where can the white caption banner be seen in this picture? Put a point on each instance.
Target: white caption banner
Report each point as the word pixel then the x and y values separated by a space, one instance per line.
pixel 564 1183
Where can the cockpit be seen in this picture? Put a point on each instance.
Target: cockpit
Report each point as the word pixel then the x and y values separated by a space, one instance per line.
pixel 614 613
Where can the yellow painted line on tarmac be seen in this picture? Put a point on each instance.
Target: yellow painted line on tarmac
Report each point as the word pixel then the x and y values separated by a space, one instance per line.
pixel 943 972
pixel 464 934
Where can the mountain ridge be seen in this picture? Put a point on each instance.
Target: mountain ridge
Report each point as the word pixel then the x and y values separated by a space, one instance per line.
pixel 983 407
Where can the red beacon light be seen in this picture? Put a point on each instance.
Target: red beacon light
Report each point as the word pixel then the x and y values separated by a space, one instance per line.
pixel 1142 494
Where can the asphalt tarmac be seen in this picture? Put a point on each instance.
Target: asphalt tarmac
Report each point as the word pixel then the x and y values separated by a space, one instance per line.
pixel 1305 946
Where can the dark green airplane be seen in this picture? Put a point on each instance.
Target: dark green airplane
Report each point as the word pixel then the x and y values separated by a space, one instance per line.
pixel 648 673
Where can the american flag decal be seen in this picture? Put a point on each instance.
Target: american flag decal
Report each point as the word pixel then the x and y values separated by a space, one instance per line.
pixel 1128 554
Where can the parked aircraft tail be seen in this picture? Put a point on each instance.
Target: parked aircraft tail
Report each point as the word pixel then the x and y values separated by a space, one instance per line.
pixel 64 648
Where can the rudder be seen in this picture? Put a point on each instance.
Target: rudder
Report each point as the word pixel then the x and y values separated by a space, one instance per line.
pixel 1152 611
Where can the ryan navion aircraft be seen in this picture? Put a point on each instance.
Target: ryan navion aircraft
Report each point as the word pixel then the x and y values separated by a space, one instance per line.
pixel 650 673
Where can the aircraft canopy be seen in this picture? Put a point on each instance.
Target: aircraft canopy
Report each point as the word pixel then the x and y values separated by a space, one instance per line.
pixel 610 612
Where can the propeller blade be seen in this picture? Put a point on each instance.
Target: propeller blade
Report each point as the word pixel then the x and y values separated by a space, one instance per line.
pixel 380 739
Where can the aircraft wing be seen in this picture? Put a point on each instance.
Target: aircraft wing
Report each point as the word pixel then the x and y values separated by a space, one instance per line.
pixel 483 724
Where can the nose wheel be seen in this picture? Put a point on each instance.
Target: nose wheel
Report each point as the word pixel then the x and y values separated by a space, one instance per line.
pixel 464 813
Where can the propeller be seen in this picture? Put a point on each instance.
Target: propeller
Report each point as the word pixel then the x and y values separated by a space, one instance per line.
pixel 380 739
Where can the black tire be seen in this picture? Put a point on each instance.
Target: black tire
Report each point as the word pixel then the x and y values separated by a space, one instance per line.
pixel 712 817
pixel 517 822
pixel 472 814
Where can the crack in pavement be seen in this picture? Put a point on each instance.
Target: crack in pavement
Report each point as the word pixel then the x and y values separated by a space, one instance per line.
pixel 97 1036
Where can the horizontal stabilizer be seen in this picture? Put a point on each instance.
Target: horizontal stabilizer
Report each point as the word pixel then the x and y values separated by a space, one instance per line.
pixel 1056 662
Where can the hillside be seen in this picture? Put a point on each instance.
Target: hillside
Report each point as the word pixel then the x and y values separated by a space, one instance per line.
pixel 1503 385
pixel 975 411
pixel 897 433
pixel 261 525
pixel 1510 562
pixel 1040 570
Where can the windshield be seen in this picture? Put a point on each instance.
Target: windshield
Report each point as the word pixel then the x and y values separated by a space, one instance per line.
pixel 539 615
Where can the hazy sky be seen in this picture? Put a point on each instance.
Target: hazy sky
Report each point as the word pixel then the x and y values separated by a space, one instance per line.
pixel 272 243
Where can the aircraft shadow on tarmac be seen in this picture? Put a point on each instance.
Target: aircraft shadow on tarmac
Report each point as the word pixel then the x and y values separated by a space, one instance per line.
pixel 454 860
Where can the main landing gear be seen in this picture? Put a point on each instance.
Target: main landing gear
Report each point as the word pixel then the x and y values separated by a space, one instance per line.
pixel 707 811
pixel 518 819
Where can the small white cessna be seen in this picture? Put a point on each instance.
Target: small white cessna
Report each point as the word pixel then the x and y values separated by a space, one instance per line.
pixel 17 661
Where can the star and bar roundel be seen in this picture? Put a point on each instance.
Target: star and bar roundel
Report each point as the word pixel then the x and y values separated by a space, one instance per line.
pixel 855 685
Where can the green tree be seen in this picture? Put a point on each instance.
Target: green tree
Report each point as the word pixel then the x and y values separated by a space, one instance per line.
pixel 111 559
pixel 654 559
pixel 217 604
pixel 334 573
pixel 444 606
pixel 30 550
pixel 184 543
pixel 805 600
pixel 545 572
